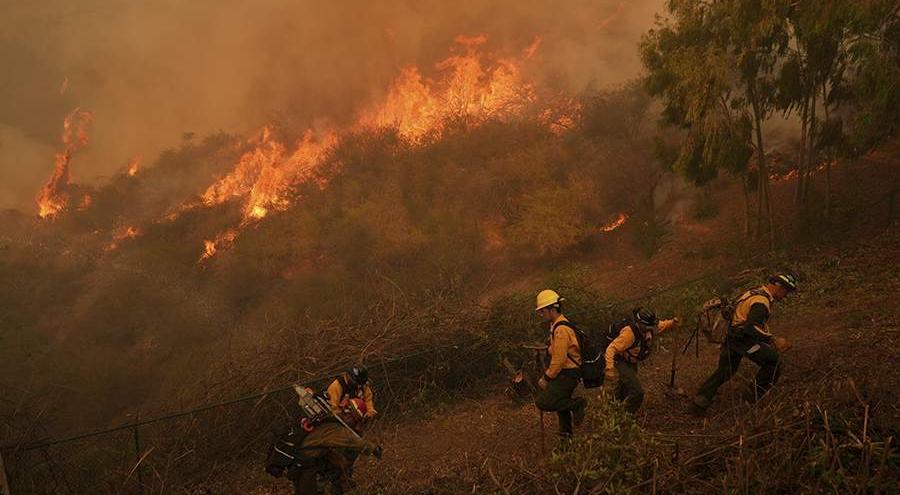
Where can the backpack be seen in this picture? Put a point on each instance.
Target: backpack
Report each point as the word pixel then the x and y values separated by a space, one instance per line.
pixel 640 337
pixel 716 315
pixel 310 410
pixel 592 366
pixel 282 452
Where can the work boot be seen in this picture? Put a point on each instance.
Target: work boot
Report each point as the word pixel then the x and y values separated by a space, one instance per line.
pixel 578 413
pixel 565 443
pixel 699 405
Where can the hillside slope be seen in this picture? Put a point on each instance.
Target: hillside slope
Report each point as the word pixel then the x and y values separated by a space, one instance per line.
pixel 843 324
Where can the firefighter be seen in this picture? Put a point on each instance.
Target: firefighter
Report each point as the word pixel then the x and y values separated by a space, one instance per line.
pixel 631 343
pixel 562 373
pixel 353 383
pixel 749 336
pixel 321 456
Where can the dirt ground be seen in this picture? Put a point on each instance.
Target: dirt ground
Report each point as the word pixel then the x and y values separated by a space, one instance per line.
pixel 844 325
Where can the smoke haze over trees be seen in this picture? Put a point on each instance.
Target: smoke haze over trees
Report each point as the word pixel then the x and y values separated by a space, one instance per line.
pixel 152 72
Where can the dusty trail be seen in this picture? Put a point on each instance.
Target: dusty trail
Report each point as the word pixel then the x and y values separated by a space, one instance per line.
pixel 836 335
pixel 844 326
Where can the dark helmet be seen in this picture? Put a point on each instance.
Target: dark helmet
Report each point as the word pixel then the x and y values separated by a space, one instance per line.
pixel 358 375
pixel 785 280
pixel 646 317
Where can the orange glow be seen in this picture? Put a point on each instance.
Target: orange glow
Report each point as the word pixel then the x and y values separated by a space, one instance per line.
pixel 53 197
pixel 86 201
pixel 130 232
pixel 793 173
pixel 562 115
pixel 210 248
pixel 266 174
pixel 471 86
pixel 134 166
pixel 618 222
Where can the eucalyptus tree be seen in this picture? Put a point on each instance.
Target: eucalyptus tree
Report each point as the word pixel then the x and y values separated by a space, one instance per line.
pixel 713 65
pixel 842 60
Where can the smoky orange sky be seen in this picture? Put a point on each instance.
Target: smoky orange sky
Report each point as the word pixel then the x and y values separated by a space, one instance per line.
pixel 151 71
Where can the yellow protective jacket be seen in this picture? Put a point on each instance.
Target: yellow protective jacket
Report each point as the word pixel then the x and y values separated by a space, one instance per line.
pixel 562 347
pixel 623 345
pixel 336 395
pixel 744 318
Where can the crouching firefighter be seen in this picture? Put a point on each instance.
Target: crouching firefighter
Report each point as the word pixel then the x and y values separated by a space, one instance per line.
pixel 310 449
pixel 748 336
pixel 630 342
pixel 353 383
pixel 562 373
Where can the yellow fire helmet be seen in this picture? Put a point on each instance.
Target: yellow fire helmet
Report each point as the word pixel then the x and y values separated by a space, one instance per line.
pixel 546 298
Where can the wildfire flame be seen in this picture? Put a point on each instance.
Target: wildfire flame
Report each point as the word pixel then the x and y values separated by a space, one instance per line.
pixel 470 87
pixel 618 222
pixel 211 247
pixel 130 232
pixel 266 174
pixel 134 166
pixel 53 198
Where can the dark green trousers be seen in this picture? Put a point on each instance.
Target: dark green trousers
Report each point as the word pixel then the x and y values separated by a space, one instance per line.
pixel 629 388
pixel 557 397
pixel 730 356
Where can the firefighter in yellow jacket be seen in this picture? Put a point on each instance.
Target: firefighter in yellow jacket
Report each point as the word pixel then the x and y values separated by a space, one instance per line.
pixel 354 383
pixel 749 337
pixel 631 343
pixel 562 373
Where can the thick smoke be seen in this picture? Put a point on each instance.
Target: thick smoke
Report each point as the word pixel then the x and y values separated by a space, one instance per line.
pixel 153 71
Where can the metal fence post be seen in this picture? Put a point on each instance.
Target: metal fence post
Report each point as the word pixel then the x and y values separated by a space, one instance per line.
pixel 137 456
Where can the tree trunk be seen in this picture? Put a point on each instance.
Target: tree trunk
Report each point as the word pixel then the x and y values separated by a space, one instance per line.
pixel 765 196
pixel 828 189
pixel 801 158
pixel 811 151
pixel 829 158
pixel 744 182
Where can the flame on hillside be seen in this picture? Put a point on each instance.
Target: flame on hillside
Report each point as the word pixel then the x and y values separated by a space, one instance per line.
pixel 124 234
pixel 133 166
pixel 618 222
pixel 211 247
pixel 471 86
pixel 266 174
pixel 53 197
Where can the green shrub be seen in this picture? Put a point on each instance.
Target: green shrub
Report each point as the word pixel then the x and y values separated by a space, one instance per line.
pixel 613 458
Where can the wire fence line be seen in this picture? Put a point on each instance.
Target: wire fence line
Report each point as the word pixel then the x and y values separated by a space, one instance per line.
pixel 207 407
pixel 331 372
pixel 381 367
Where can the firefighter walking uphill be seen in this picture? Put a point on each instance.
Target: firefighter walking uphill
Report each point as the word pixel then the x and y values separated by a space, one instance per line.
pixel 748 336
pixel 630 343
pixel 562 373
